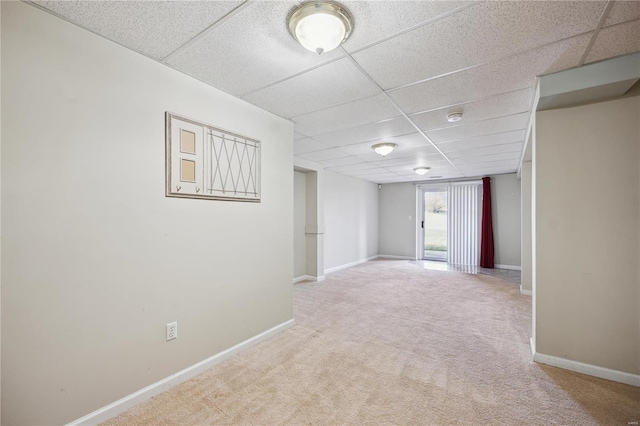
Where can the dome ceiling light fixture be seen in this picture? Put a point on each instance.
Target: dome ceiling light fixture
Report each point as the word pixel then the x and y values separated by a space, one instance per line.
pixel 320 26
pixel 454 117
pixel 384 148
pixel 421 170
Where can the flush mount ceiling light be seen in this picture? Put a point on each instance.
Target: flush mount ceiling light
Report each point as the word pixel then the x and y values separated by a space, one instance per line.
pixel 454 117
pixel 384 148
pixel 421 170
pixel 320 26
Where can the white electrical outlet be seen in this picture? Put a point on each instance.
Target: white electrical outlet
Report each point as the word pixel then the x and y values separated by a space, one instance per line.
pixel 172 330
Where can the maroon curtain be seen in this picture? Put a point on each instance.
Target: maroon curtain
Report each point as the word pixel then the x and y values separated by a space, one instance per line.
pixel 486 240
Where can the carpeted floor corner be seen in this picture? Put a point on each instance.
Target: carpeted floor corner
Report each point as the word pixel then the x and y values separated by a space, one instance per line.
pixel 387 342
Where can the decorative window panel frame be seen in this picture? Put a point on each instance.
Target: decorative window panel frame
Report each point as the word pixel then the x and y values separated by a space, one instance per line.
pixel 223 165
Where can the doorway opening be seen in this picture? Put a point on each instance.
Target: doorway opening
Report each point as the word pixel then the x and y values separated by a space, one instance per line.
pixel 434 224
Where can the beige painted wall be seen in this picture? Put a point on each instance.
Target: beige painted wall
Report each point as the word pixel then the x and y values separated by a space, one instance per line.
pixel 397 212
pixel 587 234
pixel 350 219
pixel 527 244
pixel 95 259
pixel 505 209
pixel 299 223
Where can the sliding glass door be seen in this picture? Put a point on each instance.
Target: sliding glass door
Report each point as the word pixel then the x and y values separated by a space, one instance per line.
pixel 434 224
pixel 449 229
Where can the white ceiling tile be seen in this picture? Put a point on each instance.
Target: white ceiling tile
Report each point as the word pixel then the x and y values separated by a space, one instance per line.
pixel 482 109
pixel 490 171
pixel 327 154
pixel 413 140
pixel 338 111
pixel 344 161
pixel 408 168
pixel 352 114
pixel 486 158
pixel 513 73
pixel 378 171
pixel 477 153
pixel 487 164
pixel 394 162
pixel 480 128
pixel 376 20
pixel 386 177
pixel 268 53
pixel 623 11
pixel 476 35
pixel 302 146
pixel 401 154
pixel 615 41
pixel 368 132
pixel 154 28
pixel 482 141
pixel 405 143
pixel 390 180
pixel 352 167
pixel 332 84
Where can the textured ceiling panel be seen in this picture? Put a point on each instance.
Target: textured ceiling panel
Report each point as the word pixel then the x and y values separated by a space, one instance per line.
pixel 489 52
pixel 483 109
pixel 499 163
pixel 154 28
pixel 402 156
pixel 480 128
pixel 414 140
pixel 404 161
pixel 513 73
pixel 483 141
pixel 479 159
pixel 476 35
pixel 623 11
pixel 363 111
pixel 268 52
pixel 302 146
pixel 476 153
pixel 378 171
pixel 330 85
pixel 408 168
pixel 408 145
pixel 368 132
pixel 327 154
pixel 376 20
pixel 615 41
pixel 352 168
pixel 344 161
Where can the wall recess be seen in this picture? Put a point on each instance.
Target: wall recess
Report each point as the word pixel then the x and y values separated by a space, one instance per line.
pixel 203 161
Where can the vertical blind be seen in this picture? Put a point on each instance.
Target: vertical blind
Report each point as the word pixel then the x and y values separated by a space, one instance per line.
pixel 463 224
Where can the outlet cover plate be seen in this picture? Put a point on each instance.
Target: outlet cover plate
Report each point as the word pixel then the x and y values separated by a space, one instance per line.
pixel 172 330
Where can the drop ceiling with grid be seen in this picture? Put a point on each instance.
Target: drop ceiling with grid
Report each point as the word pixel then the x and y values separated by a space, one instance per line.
pixel 406 66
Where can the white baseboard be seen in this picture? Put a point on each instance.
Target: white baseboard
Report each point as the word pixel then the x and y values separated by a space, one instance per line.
pixel 304 278
pixel 532 345
pixel 526 292
pixel 512 267
pixel 591 370
pixel 392 256
pixel 109 411
pixel 348 265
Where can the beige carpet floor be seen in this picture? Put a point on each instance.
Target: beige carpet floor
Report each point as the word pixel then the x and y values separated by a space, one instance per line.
pixel 387 342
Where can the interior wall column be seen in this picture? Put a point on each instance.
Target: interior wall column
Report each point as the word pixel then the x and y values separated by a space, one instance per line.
pixel 314 230
pixel 314 224
pixel 525 237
